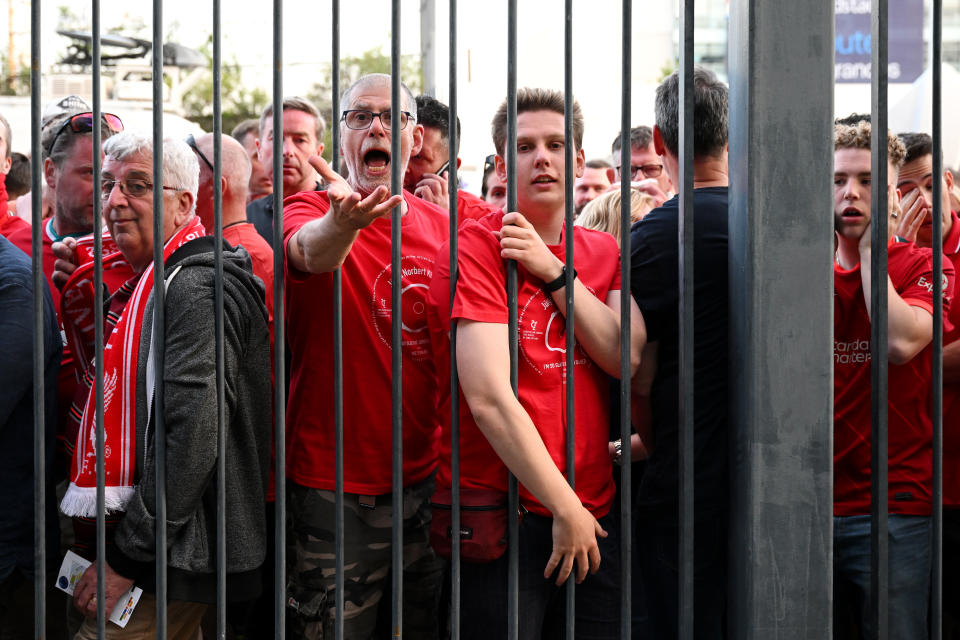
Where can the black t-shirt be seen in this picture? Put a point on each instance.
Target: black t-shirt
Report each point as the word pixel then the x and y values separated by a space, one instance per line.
pixel 654 283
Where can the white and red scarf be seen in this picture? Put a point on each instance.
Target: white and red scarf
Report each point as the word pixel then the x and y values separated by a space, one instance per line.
pixel 120 364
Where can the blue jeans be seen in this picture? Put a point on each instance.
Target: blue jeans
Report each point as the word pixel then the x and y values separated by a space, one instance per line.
pixel 909 577
pixel 483 608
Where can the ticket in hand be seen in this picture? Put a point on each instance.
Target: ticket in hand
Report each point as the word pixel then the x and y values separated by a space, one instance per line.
pixel 70 572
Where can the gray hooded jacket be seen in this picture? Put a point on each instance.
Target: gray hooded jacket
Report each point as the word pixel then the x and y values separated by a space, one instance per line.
pixel 190 419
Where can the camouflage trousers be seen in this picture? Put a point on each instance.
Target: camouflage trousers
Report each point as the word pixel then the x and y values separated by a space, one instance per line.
pixel 367 563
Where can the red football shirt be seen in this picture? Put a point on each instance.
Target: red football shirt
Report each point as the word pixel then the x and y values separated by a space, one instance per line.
pixel 470 207
pixel 367 346
pixel 951 391
pixel 23 238
pixel 481 296
pixel 12 223
pixel 261 254
pixel 910 428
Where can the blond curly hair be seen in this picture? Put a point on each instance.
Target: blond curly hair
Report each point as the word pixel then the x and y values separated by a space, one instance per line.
pixel 857 136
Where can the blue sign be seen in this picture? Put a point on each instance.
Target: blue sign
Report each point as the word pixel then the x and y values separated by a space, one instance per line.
pixel 852 41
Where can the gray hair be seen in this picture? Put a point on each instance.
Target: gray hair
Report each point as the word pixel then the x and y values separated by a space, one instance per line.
pixel 710 113
pixel 181 169
pixel 408 102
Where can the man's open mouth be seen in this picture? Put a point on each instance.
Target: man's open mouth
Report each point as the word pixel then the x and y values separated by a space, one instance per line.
pixel 376 159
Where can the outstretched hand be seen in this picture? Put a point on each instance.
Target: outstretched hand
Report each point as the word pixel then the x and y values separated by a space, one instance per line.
pixel 349 208
pixel 575 539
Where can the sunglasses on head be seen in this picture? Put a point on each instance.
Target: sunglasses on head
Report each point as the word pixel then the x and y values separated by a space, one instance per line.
pixel 488 163
pixel 192 143
pixel 83 123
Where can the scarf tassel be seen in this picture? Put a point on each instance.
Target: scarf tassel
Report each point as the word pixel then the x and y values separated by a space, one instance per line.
pixel 82 501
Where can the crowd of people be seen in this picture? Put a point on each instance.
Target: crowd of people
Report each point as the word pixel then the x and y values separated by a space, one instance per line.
pixel 339 221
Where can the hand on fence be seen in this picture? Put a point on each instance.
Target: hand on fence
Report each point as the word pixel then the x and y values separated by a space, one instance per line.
pixel 520 241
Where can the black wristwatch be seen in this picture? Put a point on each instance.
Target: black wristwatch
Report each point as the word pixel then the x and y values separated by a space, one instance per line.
pixel 561 281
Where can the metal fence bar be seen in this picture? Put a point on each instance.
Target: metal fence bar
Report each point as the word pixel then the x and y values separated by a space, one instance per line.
pixel 396 187
pixel 936 555
pixel 878 324
pixel 513 498
pixel 454 381
pixel 279 341
pixel 218 321
pixel 568 153
pixel 339 533
pixel 686 330
pixel 626 429
pixel 159 339
pixel 39 415
pixel 101 540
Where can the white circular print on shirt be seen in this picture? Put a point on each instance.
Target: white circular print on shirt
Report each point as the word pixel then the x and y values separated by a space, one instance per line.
pixel 416 272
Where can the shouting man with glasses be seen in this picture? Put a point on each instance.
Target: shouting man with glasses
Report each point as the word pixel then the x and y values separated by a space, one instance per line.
pixel 190 405
pixel 348 227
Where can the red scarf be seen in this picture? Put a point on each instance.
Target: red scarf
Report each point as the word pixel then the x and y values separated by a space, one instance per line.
pixel 120 365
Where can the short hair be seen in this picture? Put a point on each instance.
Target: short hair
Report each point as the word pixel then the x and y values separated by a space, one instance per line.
pixel 245 128
pixel 408 102
pixel 483 182
pixel 640 138
pixel 857 136
pixel 296 103
pixel 917 145
pixel 853 118
pixel 535 100
pixel 598 163
pixel 710 113
pixel 7 135
pixel 603 212
pixel 181 168
pixel 57 140
pixel 436 115
pixel 18 179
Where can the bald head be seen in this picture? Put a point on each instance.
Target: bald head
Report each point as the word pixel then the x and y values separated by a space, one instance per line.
pixel 236 176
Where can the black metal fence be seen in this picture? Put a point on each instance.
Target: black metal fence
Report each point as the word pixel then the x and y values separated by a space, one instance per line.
pixel 747 69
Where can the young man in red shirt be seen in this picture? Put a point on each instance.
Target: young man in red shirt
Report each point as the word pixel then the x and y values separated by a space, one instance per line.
pixel 910 290
pixel 527 435
pixel 915 182
pixel 348 227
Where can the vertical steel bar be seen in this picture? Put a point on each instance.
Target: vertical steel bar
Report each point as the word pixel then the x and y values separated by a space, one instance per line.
pixel 396 187
pixel 568 153
pixel 159 339
pixel 279 369
pixel 218 320
pixel 686 333
pixel 878 325
pixel 39 415
pixel 337 338
pixel 626 429
pixel 513 498
pixel 454 382
pixel 96 132
pixel 936 555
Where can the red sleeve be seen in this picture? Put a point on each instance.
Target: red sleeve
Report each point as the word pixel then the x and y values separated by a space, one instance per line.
pixel 481 286
pixel 911 272
pixel 298 210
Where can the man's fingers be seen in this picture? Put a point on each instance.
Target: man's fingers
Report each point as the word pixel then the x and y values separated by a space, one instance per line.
pixel 552 564
pixel 583 564
pixel 516 218
pixel 565 569
pixel 324 168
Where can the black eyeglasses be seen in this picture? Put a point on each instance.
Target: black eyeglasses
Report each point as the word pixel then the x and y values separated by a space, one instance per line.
pixel 362 119
pixel 83 123
pixel 131 187
pixel 648 170
pixel 193 145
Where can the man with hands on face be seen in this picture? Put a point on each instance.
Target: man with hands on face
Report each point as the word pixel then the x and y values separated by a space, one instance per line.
pixel 910 293
pixel 349 227
pixel 563 532
pixel 428 172
pixel 915 183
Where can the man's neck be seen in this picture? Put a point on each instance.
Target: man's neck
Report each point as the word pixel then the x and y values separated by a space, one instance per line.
pixel 708 171
pixel 233 212
pixel 547 223
pixel 848 252
pixel 63 228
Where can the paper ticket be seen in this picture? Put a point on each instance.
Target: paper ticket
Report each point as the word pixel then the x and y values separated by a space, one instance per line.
pixel 70 572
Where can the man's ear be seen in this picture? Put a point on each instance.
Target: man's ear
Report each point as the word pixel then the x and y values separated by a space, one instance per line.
pixel 658 145
pixel 500 166
pixel 184 206
pixel 948 178
pixel 50 173
pixel 458 162
pixel 7 163
pixel 611 175
pixel 581 163
pixel 417 140
pixel 319 148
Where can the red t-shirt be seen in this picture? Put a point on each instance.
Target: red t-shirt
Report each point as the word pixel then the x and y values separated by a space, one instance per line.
pixel 23 238
pixel 261 254
pixel 11 223
pixel 367 345
pixel 481 296
pixel 470 207
pixel 951 391
pixel 910 434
